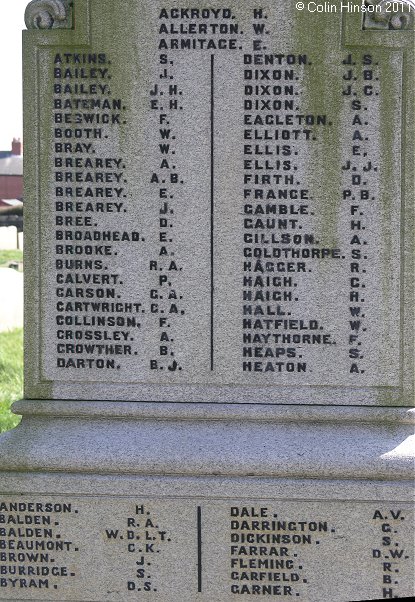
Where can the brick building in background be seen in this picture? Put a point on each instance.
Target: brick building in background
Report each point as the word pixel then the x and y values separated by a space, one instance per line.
pixel 11 172
pixel 11 186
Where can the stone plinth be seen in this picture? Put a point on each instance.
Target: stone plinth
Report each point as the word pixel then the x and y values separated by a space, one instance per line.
pixel 219 305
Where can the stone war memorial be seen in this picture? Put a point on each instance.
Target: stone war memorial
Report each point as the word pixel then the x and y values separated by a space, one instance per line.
pixel 219 304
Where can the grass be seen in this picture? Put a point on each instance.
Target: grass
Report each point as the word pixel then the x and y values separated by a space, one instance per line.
pixel 6 256
pixel 11 376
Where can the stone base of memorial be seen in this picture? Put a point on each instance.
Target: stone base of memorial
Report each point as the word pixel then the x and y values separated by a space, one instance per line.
pixel 114 501
pixel 219 269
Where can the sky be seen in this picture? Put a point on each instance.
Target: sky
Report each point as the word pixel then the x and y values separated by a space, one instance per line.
pixel 11 25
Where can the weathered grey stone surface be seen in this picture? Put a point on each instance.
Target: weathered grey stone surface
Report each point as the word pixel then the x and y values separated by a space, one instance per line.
pixel 164 439
pixel 191 491
pixel 96 489
pixel 242 206
pixel 219 315
pixel 198 548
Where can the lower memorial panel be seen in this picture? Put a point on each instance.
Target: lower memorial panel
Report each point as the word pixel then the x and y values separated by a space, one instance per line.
pixel 95 549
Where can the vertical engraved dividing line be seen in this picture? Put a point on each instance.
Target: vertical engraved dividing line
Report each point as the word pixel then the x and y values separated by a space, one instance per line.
pixel 403 314
pixel 212 204
pixel 199 549
pixel 40 325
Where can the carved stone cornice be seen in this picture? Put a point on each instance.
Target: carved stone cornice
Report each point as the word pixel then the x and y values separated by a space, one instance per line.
pixel 384 17
pixel 48 14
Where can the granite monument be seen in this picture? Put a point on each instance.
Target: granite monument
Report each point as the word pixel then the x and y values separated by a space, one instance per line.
pixel 219 304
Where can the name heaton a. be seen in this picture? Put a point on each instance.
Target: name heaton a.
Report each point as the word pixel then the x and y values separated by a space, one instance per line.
pixel 290 367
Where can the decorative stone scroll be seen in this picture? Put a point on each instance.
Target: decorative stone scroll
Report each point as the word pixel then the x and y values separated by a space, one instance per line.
pixel 48 14
pixel 388 17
